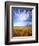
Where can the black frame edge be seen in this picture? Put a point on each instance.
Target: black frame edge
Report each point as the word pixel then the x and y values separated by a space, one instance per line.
pixel 7 23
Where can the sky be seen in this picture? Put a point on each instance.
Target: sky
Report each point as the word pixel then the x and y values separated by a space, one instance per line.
pixel 22 16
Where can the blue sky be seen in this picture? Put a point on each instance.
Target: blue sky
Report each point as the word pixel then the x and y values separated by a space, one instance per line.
pixel 22 16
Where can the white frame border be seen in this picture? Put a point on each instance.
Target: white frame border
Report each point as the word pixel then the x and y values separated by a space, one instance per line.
pixel 33 37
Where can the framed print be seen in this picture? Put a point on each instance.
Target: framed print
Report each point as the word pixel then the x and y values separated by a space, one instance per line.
pixel 21 22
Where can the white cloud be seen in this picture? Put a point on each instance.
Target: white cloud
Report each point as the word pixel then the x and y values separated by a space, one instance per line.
pixel 20 24
pixel 22 15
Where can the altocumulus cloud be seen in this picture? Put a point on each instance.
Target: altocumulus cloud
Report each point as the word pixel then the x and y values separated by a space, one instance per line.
pixel 20 16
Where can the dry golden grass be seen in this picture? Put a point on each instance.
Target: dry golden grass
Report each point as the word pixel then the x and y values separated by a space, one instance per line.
pixel 25 31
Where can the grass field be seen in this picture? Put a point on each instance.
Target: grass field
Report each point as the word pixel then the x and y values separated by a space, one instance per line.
pixel 22 31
